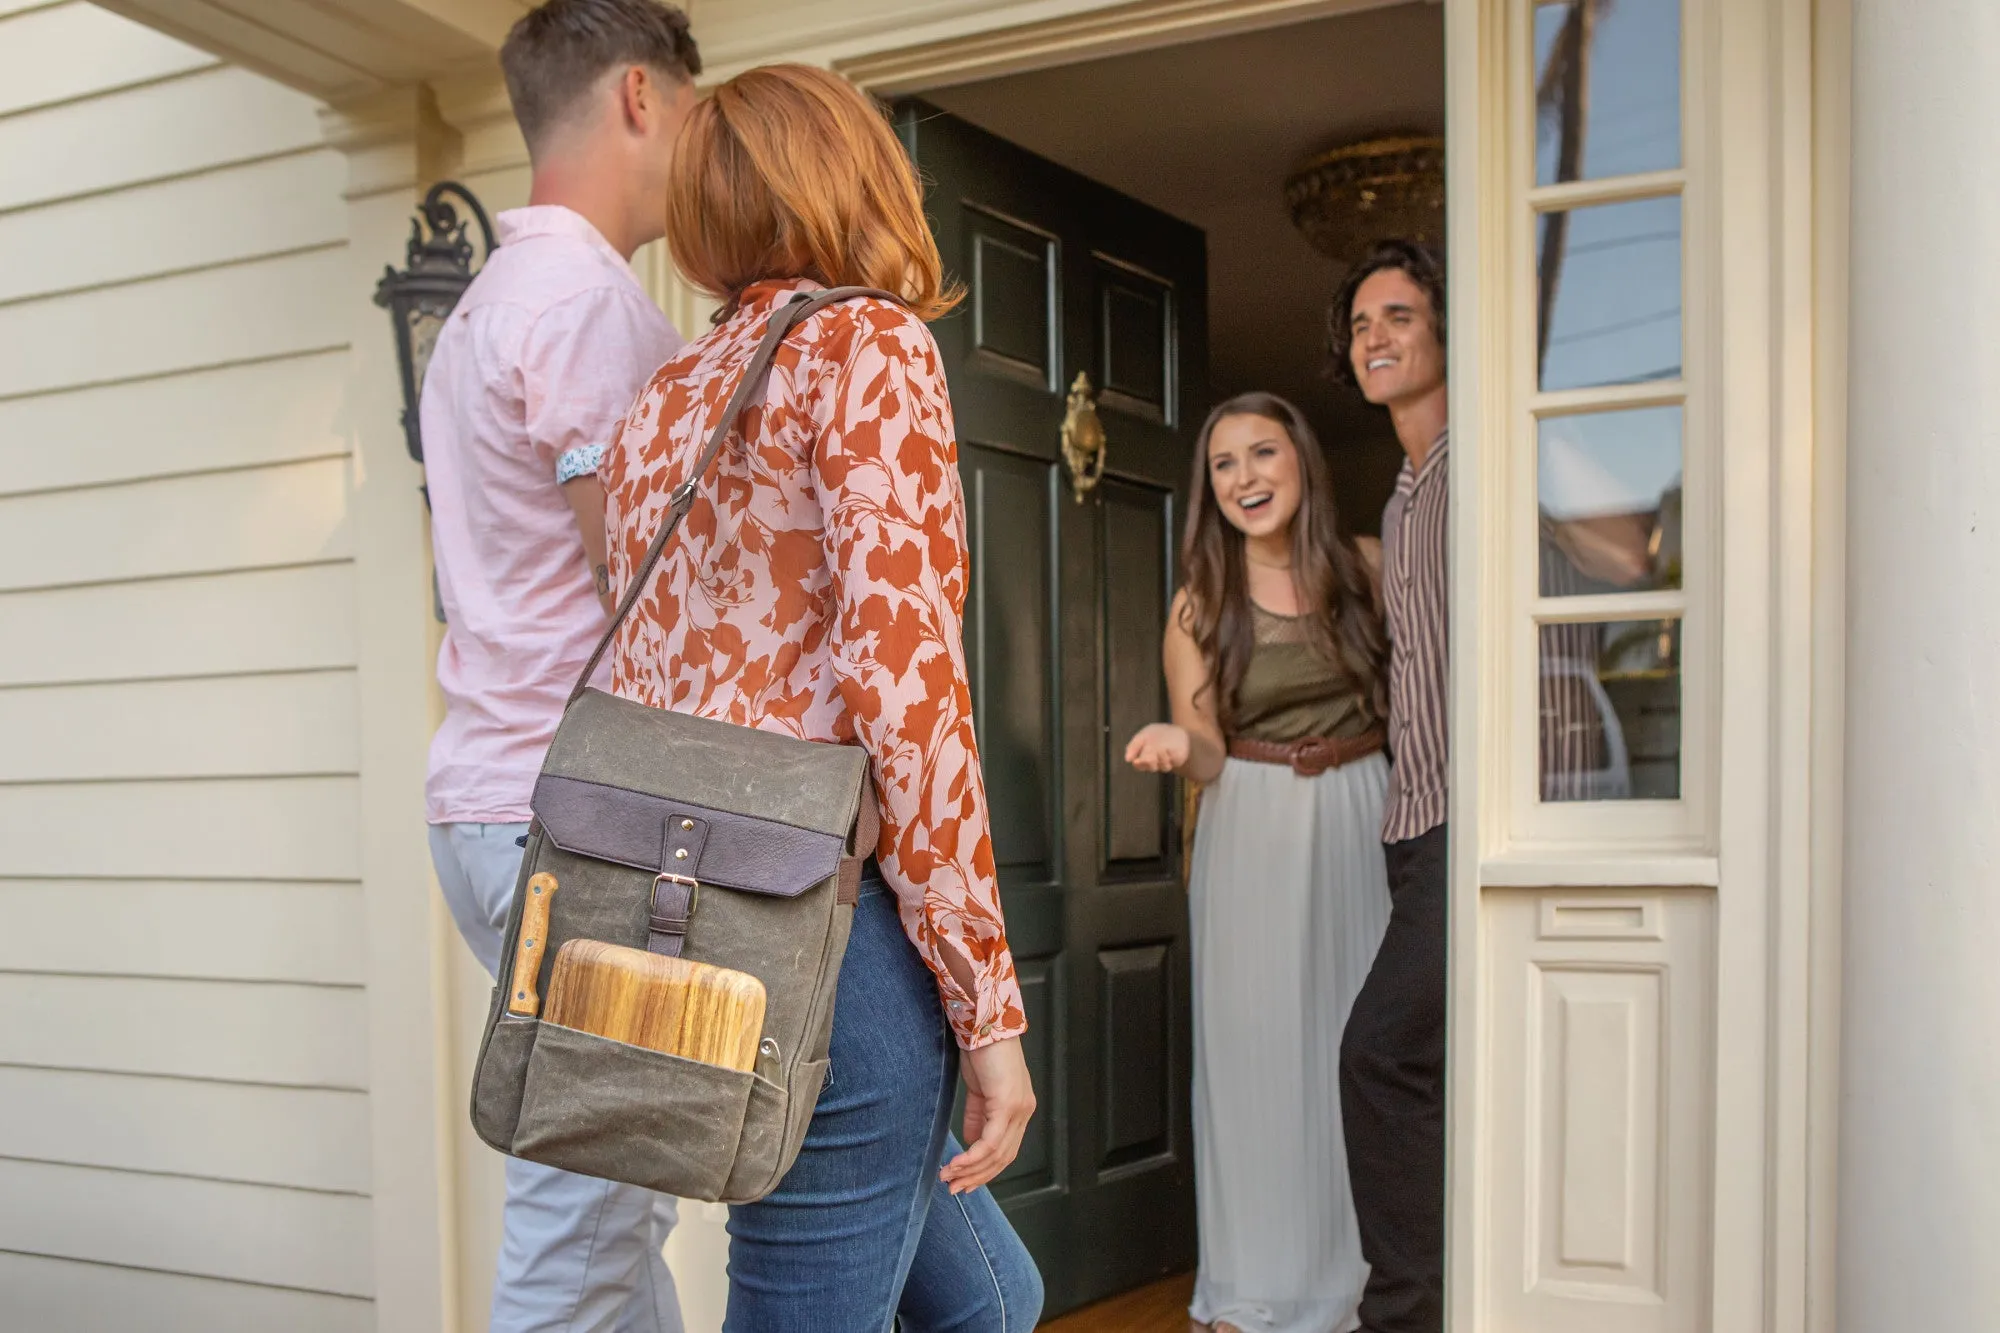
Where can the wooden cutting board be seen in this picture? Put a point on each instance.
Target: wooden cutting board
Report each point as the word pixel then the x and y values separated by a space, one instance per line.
pixel 693 1010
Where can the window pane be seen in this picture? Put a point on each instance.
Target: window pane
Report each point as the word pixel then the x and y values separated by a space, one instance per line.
pixel 1610 294
pixel 1611 710
pixel 1609 488
pixel 1607 88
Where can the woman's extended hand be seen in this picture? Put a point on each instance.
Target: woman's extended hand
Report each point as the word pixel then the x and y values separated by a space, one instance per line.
pixel 1160 747
pixel 999 1099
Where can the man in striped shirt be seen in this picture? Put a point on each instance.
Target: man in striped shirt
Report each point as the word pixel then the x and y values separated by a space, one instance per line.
pixel 1388 332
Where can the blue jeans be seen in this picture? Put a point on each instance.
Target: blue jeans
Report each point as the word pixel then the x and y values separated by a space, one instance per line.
pixel 861 1233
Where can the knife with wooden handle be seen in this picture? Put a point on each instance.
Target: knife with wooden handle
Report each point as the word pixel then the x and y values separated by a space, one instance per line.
pixel 531 945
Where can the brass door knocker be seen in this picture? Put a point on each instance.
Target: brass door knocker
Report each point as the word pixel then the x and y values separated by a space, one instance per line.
pixel 1083 442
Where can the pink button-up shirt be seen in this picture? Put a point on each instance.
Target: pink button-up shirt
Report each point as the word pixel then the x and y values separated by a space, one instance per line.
pixel 531 375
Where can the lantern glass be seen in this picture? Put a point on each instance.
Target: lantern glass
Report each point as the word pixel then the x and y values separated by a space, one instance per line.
pixel 421 297
pixel 424 326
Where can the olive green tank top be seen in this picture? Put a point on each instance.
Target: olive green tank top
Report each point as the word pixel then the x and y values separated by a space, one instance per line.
pixel 1289 691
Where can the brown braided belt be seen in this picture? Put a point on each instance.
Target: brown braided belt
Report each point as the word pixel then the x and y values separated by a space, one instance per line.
pixel 1312 756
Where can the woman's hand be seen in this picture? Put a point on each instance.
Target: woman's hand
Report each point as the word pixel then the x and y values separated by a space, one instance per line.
pixel 1161 747
pixel 999 1099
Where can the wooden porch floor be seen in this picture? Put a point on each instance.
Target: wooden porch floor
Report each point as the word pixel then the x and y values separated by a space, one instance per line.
pixel 1160 1308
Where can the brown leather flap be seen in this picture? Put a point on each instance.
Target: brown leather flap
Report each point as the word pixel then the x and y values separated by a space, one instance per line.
pixel 649 832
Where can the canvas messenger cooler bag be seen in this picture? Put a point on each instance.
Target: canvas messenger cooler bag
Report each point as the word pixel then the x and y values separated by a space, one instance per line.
pixel 691 838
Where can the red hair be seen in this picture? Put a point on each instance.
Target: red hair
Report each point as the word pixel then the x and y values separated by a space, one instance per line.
pixel 790 171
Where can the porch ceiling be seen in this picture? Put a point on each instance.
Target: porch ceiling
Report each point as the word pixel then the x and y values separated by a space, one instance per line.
pixel 335 51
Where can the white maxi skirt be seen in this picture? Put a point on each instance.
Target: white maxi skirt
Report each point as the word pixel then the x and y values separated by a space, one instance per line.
pixel 1288 897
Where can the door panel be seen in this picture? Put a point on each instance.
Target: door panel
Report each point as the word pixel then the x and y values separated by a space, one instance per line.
pixel 1138 1071
pixel 1010 650
pixel 1134 591
pixel 1135 339
pixel 1013 291
pixel 1036 1167
pixel 1063 625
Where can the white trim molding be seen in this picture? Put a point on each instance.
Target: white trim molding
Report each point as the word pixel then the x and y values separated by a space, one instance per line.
pixel 335 51
pixel 1832 153
pixel 393 144
pixel 994 40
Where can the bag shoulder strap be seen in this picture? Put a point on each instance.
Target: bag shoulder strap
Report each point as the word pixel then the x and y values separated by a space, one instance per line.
pixel 802 306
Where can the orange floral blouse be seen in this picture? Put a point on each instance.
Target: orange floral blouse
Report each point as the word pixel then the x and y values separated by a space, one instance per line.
pixel 818 588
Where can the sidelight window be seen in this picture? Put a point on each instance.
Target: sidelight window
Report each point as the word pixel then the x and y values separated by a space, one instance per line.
pixel 1606 523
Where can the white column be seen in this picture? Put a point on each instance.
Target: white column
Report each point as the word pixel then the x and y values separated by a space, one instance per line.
pixel 391 144
pixel 485 154
pixel 1920 1132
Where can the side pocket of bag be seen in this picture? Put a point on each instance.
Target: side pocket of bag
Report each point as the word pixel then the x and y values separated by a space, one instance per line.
pixel 498 1078
pixel 773 1132
pixel 602 1108
pixel 799 1113
pixel 776 1126
pixel 509 1039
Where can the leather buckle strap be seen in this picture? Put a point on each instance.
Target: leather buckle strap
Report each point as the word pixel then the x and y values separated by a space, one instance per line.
pixel 867 832
pixel 676 892
pixel 675 898
pixel 676 895
pixel 1309 757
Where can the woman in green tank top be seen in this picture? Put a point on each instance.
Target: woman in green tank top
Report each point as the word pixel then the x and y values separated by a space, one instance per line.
pixel 1276 667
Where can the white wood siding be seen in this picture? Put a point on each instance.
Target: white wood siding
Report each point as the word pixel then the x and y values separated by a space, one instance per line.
pixel 62 1294
pixel 184 1114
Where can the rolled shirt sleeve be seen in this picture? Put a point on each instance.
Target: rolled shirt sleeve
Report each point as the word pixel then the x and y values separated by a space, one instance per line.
pixel 582 362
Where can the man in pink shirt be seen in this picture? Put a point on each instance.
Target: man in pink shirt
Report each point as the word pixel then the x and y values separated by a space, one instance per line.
pixel 530 376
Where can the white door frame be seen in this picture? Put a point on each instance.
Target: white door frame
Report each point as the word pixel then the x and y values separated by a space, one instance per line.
pixel 1751 853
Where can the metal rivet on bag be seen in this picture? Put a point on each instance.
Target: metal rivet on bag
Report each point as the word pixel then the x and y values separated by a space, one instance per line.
pixel 681 854
pixel 687 824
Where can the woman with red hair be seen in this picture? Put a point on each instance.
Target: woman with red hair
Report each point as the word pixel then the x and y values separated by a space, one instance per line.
pixel 817 588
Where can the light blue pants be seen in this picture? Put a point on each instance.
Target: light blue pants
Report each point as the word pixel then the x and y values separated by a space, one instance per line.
pixel 577 1254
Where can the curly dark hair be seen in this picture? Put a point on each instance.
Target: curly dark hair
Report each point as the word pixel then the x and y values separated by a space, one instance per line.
pixel 556 51
pixel 1424 268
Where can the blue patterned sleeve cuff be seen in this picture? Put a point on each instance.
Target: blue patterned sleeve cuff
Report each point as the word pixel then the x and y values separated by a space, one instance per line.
pixel 577 462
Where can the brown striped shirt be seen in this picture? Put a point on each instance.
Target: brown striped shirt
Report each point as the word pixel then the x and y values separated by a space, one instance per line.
pixel 1414 597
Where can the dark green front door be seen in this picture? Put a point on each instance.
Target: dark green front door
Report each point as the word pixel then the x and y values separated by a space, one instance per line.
pixel 1062 636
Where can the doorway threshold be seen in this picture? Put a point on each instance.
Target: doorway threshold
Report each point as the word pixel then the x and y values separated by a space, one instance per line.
pixel 1159 1308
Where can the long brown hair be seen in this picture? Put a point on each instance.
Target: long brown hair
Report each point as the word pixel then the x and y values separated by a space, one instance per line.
pixel 1333 585
pixel 790 171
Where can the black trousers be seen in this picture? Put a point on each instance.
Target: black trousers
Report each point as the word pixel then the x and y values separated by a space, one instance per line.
pixel 1392 1098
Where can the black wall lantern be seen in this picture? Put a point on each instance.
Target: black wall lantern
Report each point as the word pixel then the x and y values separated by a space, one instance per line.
pixel 420 298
